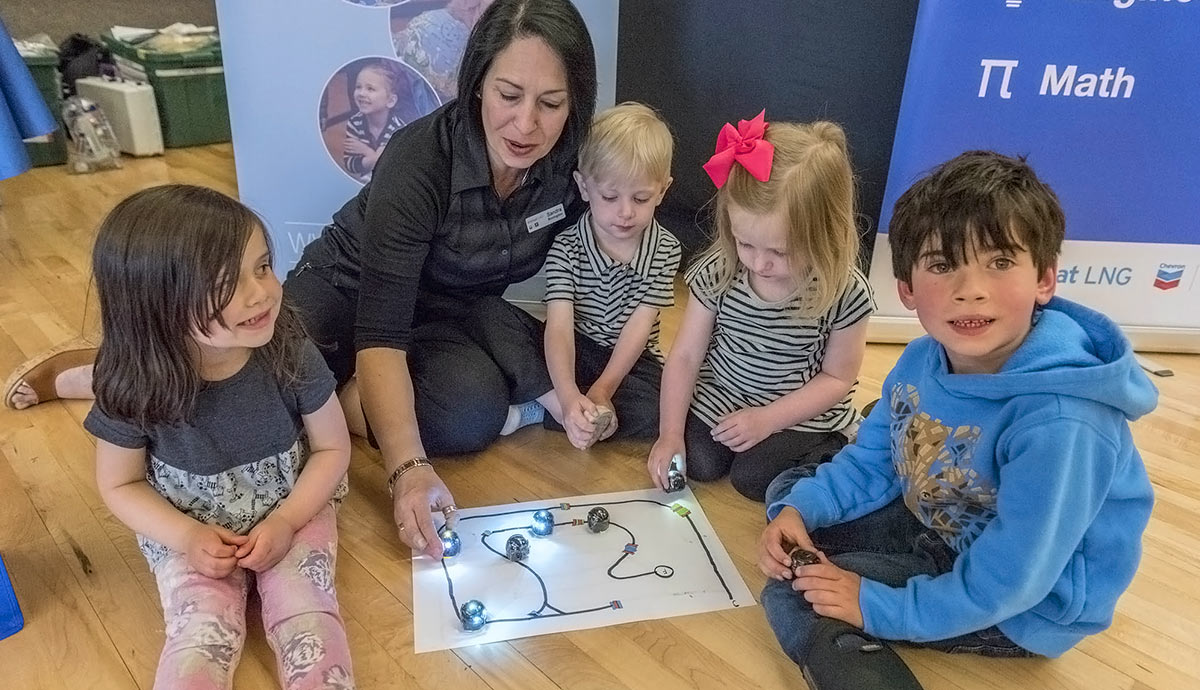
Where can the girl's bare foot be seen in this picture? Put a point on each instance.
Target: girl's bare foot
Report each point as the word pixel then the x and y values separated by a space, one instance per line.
pixel 62 372
pixel 22 396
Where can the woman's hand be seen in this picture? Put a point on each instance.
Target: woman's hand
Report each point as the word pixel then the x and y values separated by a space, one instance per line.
pixel 659 461
pixel 742 430
pixel 266 544
pixel 416 492
pixel 781 534
pixel 212 550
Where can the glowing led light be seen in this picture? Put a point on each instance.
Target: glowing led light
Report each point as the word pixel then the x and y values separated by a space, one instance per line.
pixel 543 523
pixel 451 544
pixel 473 614
pixel 473 623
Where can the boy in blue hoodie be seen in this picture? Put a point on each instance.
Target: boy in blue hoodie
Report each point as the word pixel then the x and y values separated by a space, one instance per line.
pixel 994 501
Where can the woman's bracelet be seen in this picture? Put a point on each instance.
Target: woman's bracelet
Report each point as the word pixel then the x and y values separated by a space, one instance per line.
pixel 419 461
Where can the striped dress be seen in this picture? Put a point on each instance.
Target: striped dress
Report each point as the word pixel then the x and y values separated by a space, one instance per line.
pixel 604 291
pixel 760 351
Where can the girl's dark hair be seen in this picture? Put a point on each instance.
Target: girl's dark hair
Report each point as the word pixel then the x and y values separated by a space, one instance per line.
pixel 166 262
pixel 976 200
pixel 560 25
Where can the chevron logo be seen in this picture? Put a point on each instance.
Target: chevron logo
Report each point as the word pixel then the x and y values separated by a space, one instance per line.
pixel 1168 276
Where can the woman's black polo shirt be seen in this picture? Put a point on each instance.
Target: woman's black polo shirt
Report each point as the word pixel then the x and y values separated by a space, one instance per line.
pixel 429 232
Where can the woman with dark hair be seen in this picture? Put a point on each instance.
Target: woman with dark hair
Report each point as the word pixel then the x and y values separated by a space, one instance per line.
pixel 463 202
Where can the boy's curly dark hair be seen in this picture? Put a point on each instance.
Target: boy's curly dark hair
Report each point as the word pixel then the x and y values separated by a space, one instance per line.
pixel 979 200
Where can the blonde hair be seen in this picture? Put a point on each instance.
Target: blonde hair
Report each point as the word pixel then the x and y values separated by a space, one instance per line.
pixel 812 183
pixel 628 141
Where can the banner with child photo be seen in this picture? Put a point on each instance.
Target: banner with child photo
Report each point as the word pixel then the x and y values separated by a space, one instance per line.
pixel 317 89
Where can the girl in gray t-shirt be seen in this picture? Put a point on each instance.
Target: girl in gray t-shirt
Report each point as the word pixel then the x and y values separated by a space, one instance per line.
pixel 221 442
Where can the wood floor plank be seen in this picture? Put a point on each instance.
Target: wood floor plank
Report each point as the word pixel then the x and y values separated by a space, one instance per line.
pixel 66 642
pixel 503 668
pixel 568 665
pixel 98 568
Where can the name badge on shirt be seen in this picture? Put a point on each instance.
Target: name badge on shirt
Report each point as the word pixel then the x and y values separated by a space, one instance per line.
pixel 548 217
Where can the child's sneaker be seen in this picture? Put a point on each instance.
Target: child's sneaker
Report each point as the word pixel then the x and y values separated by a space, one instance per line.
pixel 843 657
pixel 521 415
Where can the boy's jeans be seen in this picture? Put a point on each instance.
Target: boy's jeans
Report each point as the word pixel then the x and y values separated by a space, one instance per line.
pixel 888 546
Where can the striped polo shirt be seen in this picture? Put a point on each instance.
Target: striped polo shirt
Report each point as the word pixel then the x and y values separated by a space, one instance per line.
pixel 604 291
pixel 760 351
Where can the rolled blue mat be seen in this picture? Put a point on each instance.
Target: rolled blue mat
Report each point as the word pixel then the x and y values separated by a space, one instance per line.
pixel 23 111
pixel 11 619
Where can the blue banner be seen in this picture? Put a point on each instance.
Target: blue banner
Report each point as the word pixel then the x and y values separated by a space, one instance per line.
pixel 1103 98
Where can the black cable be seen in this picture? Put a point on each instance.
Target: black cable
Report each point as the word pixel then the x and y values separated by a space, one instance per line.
pixel 542 583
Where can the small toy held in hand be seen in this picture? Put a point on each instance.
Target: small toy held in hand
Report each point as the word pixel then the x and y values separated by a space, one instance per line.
pixel 451 544
pixel 802 557
pixel 600 424
pixel 675 477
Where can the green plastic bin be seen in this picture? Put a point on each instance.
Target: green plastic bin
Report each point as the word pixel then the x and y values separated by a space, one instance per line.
pixel 52 148
pixel 189 89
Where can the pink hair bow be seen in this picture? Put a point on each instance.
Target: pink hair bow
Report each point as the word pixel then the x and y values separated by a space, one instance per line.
pixel 744 145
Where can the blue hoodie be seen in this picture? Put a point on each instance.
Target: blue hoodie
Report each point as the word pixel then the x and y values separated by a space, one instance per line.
pixel 1030 474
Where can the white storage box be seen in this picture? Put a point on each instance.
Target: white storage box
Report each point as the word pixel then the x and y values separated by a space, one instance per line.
pixel 131 109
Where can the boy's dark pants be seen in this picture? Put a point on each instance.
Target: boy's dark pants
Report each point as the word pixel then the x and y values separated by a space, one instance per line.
pixel 888 546
pixel 636 397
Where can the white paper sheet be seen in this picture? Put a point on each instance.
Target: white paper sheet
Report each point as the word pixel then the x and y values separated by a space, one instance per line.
pixel 587 579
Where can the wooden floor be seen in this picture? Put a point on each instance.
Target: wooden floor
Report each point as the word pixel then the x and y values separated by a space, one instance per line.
pixel 91 607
